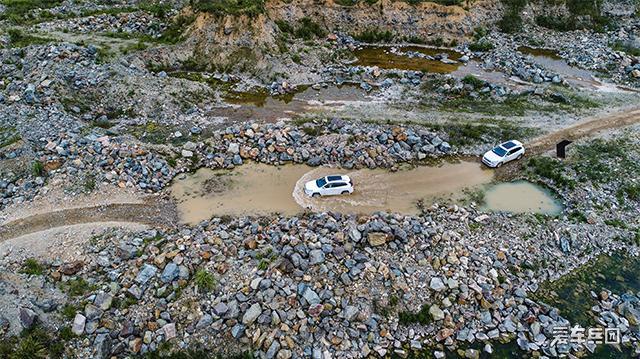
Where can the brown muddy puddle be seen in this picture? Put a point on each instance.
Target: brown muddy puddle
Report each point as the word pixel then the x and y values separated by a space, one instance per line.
pixel 520 197
pixel 259 189
pixel 550 59
pixel 261 104
pixel 387 57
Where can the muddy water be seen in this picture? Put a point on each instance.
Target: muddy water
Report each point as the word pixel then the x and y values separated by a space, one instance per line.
pixel 552 61
pixel 260 104
pixel 520 197
pixel 384 58
pixel 260 189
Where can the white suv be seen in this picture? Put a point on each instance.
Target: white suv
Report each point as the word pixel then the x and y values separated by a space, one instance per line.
pixel 503 153
pixel 328 186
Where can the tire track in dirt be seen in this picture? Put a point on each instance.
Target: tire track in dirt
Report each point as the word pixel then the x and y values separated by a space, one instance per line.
pixel 151 212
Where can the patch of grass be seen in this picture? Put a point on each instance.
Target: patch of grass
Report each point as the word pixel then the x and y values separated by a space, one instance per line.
pixel 31 266
pixel 470 133
pixel 89 183
pixel 473 81
pixel 17 38
pixel 69 311
pixel 632 191
pixel 627 48
pixel 77 287
pixel 205 280
pixel 307 29
pixel 166 353
pixel 34 343
pixel 37 169
pixel 19 11
pixel 481 46
pixel 250 8
pixel 421 317
pixel 8 136
pixel 618 223
pixel 577 217
pixel 551 169
pixel 374 36
pixel 595 160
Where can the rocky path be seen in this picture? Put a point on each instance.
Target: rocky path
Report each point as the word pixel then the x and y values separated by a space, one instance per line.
pixel 152 212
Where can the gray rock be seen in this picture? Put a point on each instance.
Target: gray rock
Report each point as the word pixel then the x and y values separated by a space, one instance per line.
pixel 79 323
pixel 27 318
pixel 316 256
pixel 310 296
pixel 147 272
pixel 220 309
pixel 436 284
pixel 170 273
pixel 102 346
pixel 252 314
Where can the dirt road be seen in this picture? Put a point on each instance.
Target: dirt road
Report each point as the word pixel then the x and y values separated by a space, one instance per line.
pixel 162 213
pixel 584 129
pixel 152 212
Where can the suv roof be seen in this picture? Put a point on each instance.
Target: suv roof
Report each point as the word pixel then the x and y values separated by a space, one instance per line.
pixel 509 145
pixel 334 178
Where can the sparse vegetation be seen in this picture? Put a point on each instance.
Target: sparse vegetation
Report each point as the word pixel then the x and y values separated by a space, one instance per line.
pixel 21 11
pixel 481 46
pixel 33 343
pixel 37 169
pixel 31 266
pixel 550 168
pixel 17 38
pixel 230 7
pixel 205 281
pixel 77 287
pixel 421 317
pixel 374 36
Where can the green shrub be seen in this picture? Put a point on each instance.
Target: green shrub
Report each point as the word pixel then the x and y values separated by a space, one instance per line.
pixel 31 266
pixel 205 280
pixel 307 29
pixel 37 169
pixel 481 46
pixel 19 39
pixel 374 35
pixel 473 81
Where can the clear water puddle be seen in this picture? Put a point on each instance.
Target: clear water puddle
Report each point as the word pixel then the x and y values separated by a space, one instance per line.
pixel 260 189
pixel 520 197
pixel 387 57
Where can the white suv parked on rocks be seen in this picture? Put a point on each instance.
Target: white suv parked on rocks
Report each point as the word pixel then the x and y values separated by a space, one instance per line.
pixel 503 153
pixel 329 186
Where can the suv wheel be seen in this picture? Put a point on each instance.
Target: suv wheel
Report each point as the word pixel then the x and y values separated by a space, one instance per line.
pixel 345 192
pixel 499 164
pixel 315 195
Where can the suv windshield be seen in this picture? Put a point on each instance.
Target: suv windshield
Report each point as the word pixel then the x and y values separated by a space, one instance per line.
pixel 320 182
pixel 499 151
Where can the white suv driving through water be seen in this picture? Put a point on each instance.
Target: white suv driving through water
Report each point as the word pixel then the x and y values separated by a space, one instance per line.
pixel 503 153
pixel 329 186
